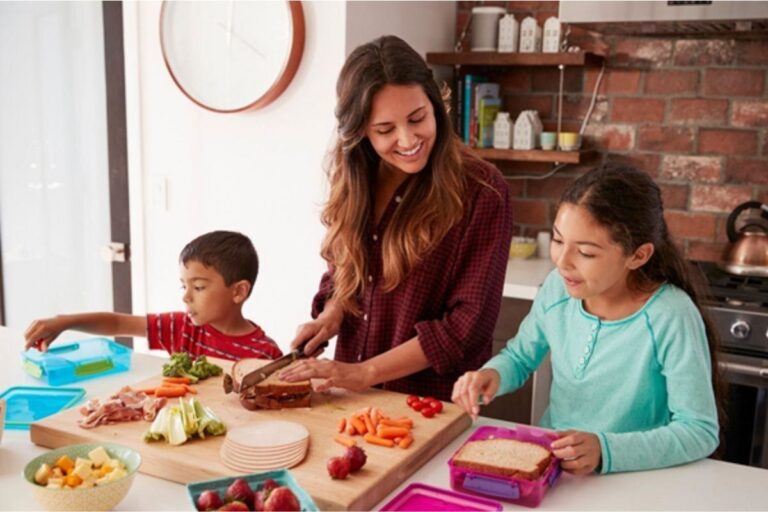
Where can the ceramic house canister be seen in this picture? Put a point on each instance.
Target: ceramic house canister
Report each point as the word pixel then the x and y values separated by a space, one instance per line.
pixel 502 131
pixel 530 36
pixel 509 34
pixel 552 35
pixel 527 129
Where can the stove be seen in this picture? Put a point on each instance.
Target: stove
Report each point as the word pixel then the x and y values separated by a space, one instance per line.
pixel 738 308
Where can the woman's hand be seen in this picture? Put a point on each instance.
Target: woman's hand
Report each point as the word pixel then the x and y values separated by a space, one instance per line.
pixel 41 333
pixel 471 386
pixel 579 452
pixel 325 327
pixel 352 376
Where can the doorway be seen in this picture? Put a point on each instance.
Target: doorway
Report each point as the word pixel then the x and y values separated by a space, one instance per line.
pixel 63 161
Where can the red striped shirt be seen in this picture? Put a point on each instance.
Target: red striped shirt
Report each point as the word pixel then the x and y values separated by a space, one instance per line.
pixel 175 332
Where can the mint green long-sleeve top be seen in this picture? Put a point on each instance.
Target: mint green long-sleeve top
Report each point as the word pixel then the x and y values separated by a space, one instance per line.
pixel 642 384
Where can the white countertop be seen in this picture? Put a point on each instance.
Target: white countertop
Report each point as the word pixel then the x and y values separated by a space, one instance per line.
pixel 524 277
pixel 703 485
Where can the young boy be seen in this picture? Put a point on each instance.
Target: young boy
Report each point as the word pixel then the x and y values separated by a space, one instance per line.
pixel 218 270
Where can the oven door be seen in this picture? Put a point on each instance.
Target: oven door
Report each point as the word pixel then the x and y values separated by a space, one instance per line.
pixel 746 434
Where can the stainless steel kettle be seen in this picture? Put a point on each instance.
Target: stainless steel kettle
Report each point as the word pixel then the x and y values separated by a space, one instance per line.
pixel 747 254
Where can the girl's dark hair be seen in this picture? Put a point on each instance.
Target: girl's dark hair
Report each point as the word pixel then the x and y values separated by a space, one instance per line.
pixel 230 254
pixel 628 203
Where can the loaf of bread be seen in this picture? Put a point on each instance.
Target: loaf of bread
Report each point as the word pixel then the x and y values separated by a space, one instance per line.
pixel 505 457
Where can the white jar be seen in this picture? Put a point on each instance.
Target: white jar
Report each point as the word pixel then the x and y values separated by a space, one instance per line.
pixel 509 34
pixel 502 131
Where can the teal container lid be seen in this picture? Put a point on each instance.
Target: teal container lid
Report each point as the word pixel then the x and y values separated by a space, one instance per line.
pixel 27 404
pixel 76 361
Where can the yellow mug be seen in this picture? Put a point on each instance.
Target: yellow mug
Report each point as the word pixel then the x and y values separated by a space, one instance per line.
pixel 569 141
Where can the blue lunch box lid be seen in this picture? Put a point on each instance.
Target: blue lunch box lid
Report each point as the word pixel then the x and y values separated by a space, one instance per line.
pixel 27 404
pixel 78 360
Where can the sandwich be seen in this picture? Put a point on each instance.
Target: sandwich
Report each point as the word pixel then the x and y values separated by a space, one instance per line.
pixel 272 392
pixel 504 457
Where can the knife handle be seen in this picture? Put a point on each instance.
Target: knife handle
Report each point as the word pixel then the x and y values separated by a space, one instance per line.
pixel 300 350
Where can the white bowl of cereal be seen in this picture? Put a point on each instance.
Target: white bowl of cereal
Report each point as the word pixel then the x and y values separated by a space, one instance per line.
pixel 94 476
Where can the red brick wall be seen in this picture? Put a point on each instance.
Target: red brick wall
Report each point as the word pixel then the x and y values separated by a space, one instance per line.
pixel 691 112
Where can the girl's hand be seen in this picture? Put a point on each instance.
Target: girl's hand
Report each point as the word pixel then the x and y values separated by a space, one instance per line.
pixel 579 452
pixel 471 386
pixel 41 333
pixel 325 327
pixel 352 376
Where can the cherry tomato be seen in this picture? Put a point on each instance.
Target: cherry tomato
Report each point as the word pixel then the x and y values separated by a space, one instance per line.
pixel 437 405
pixel 421 404
pixel 412 399
pixel 428 412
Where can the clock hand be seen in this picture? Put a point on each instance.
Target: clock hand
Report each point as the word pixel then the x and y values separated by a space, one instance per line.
pixel 241 39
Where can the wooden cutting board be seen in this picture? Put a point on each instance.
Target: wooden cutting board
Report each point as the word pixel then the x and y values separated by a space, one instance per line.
pixel 199 459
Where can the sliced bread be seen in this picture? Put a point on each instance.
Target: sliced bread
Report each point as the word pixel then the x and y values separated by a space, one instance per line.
pixel 505 457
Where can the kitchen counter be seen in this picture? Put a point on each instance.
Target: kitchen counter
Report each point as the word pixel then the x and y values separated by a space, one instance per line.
pixel 524 277
pixel 703 485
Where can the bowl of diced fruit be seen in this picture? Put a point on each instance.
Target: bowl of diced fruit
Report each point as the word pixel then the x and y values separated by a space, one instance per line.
pixel 93 476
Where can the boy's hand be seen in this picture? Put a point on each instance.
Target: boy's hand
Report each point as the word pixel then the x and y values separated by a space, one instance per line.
pixel 41 333
pixel 579 452
pixel 471 386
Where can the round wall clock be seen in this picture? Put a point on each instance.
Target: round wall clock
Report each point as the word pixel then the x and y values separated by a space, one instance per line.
pixel 231 56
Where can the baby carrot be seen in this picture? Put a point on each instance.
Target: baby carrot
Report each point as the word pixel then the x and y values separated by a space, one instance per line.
pixel 392 432
pixel 342 425
pixel 368 423
pixel 170 391
pixel 177 380
pixel 395 423
pixel 351 430
pixel 405 442
pixel 344 440
pixel 375 416
pixel 370 438
pixel 190 389
pixel 358 424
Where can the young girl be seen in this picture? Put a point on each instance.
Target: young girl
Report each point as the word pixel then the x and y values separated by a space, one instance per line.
pixel 632 379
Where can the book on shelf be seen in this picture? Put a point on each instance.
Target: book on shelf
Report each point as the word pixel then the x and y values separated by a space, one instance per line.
pixel 468 110
pixel 486 115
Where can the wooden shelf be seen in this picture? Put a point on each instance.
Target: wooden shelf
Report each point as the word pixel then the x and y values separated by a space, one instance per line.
pixel 513 59
pixel 533 155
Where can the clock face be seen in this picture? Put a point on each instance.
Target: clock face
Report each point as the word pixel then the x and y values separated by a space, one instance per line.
pixel 229 56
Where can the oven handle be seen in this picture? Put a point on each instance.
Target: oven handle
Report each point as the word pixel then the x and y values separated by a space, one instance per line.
pixel 744 369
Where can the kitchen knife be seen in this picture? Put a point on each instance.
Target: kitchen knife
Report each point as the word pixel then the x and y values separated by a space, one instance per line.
pixel 262 373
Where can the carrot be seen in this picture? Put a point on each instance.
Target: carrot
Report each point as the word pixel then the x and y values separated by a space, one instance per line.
pixel 368 423
pixel 170 391
pixel 177 380
pixel 358 424
pixel 148 391
pixel 375 416
pixel 190 389
pixel 351 431
pixel 344 440
pixel 370 438
pixel 405 442
pixel 342 425
pixel 395 423
pixel 364 410
pixel 392 432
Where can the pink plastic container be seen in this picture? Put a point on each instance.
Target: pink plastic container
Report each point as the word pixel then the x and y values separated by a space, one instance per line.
pixel 528 493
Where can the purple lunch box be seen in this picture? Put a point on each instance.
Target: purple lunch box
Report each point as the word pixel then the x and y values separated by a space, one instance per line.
pixel 422 497
pixel 528 493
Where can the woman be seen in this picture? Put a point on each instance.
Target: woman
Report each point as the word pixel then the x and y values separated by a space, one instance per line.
pixel 417 240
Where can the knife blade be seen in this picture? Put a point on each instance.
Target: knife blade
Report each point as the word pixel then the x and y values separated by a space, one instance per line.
pixel 265 371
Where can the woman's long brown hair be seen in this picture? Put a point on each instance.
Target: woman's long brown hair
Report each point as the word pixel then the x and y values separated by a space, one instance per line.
pixel 628 203
pixel 434 199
